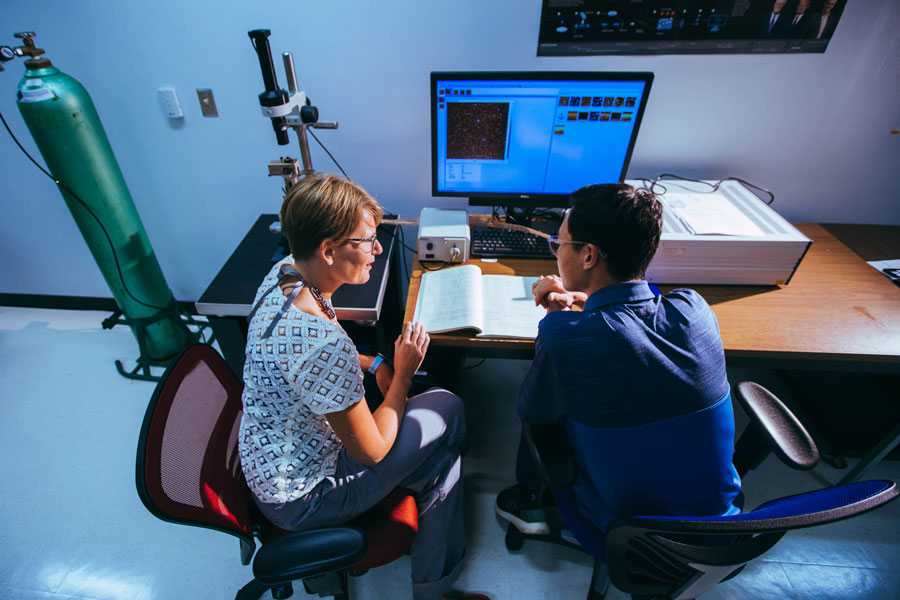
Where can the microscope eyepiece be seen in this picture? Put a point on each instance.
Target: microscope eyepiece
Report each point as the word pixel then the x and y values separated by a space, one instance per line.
pixel 279 124
pixel 272 96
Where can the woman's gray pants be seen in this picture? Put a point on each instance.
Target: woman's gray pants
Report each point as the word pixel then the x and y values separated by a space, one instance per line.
pixel 425 458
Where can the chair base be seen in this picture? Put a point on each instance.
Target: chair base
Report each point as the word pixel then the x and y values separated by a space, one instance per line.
pixel 515 538
pixel 333 584
pixel 283 591
pixel 252 591
pixel 599 582
pixel 330 585
pixel 599 577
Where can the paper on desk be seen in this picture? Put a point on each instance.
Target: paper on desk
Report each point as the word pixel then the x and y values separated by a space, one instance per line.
pixel 891 268
pixel 710 213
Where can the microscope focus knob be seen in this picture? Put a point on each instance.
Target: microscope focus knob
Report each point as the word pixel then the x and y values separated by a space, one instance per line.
pixel 309 114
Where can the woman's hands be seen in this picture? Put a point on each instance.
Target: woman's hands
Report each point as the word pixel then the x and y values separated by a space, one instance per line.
pixel 368 436
pixel 549 292
pixel 409 350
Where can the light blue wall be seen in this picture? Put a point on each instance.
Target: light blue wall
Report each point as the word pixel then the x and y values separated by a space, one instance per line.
pixel 813 128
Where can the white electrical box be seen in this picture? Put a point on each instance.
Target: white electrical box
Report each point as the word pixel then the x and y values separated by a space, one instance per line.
pixel 171 106
pixel 443 235
pixel 758 246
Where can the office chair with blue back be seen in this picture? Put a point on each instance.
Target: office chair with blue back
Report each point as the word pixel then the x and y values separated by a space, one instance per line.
pixel 188 472
pixel 664 556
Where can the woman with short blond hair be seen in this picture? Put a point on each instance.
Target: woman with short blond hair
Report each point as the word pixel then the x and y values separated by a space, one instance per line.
pixel 312 450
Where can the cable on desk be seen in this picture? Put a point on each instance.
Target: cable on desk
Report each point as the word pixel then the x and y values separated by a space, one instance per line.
pixel 402 240
pixel 525 215
pixel 712 186
pixel 454 254
pixel 651 185
pixel 756 187
pixel 443 266
pixel 655 183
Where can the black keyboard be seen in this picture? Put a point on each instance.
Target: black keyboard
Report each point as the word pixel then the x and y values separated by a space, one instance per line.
pixel 490 242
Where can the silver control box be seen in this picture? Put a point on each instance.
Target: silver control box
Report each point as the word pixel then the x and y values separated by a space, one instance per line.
pixel 443 235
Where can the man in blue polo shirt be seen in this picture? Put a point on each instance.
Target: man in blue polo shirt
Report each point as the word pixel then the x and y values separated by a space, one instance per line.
pixel 628 358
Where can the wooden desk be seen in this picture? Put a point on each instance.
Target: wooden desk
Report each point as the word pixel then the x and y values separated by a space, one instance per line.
pixel 836 313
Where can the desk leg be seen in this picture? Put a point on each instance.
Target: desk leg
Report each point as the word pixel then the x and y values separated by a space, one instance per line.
pixel 231 334
pixel 812 419
pixel 887 443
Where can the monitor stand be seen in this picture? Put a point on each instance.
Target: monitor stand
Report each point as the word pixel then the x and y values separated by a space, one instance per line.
pixel 527 215
pixel 534 218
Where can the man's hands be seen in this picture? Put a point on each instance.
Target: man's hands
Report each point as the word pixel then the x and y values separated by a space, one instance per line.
pixel 549 292
pixel 409 350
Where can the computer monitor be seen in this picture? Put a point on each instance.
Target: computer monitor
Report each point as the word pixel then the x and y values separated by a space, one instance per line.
pixel 530 139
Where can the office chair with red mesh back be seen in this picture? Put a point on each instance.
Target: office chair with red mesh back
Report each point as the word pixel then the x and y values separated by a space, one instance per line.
pixel 189 472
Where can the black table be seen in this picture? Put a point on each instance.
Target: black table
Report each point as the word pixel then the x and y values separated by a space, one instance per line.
pixel 371 313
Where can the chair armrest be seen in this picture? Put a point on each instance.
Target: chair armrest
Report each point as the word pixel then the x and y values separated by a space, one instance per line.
pixel 308 553
pixel 551 454
pixel 773 428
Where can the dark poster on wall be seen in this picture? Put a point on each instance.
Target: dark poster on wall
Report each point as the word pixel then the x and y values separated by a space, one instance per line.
pixel 590 27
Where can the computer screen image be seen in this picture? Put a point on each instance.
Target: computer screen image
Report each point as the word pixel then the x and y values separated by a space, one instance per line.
pixel 530 139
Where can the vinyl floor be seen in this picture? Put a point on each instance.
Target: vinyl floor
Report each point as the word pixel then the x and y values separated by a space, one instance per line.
pixel 75 528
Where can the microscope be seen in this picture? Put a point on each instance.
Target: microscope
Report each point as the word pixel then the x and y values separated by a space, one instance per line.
pixel 287 109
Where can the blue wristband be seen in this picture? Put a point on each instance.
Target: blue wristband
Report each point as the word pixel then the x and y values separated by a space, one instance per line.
pixel 375 364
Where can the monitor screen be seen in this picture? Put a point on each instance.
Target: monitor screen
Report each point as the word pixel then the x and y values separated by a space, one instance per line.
pixel 592 27
pixel 531 139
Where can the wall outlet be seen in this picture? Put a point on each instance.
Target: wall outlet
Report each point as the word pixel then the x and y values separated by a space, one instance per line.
pixel 168 98
pixel 207 103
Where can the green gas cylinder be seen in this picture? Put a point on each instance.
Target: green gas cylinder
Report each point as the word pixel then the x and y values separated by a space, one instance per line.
pixel 65 126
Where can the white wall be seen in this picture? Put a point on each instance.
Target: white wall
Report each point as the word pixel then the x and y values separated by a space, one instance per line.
pixel 814 128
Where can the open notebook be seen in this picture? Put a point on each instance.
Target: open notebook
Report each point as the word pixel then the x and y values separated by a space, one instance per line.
pixel 461 298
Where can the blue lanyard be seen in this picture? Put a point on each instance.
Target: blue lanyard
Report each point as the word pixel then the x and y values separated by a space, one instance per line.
pixel 283 273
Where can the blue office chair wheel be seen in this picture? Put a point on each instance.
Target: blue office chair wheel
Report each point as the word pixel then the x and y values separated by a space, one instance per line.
pixel 283 591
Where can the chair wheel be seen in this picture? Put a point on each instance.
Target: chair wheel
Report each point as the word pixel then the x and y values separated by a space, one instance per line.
pixel 837 462
pixel 282 591
pixel 514 538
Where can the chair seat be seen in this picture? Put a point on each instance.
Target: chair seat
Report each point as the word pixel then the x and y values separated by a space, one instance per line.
pixel 376 537
pixel 390 527
pixel 309 553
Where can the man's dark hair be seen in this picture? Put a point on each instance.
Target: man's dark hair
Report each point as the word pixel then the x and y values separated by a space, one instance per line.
pixel 624 222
